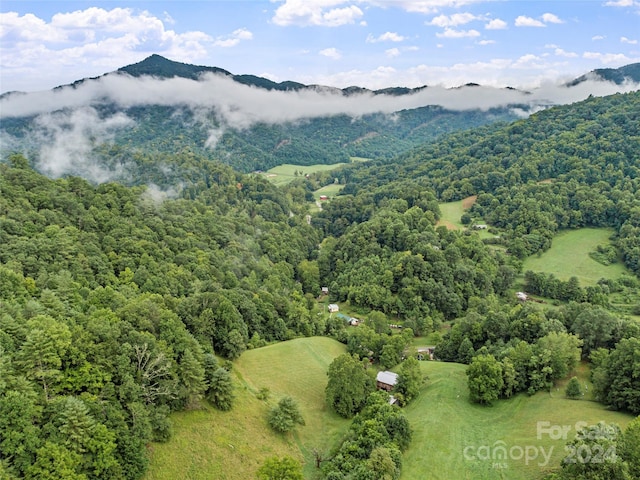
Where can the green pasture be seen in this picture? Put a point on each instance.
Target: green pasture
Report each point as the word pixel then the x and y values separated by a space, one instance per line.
pixel 450 213
pixel 445 423
pixel 285 173
pixel 330 190
pixel 232 445
pixel 569 256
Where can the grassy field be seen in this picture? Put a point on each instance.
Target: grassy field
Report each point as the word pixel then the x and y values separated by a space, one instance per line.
pixel 445 423
pixel 232 445
pixel 328 190
pixel 569 256
pixel 452 211
pixel 285 173
pixel 450 215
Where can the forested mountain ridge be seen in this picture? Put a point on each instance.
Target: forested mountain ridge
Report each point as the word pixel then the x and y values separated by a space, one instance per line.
pixel 565 167
pixel 158 106
pixel 628 73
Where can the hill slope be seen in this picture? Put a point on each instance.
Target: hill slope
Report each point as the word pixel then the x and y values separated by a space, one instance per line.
pixel 232 445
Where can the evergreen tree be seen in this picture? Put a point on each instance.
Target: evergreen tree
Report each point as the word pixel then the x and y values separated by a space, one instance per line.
pixel 573 390
pixel 193 376
pixel 220 392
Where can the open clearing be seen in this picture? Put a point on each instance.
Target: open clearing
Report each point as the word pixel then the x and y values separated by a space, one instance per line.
pixel 569 256
pixel 445 423
pixel 450 215
pixel 329 190
pixel 285 173
pixel 232 445
pixel 452 211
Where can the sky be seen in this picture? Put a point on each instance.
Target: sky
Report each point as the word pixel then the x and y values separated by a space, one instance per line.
pixel 368 43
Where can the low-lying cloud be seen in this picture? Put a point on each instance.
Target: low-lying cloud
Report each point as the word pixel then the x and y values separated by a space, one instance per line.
pixel 66 141
pixel 67 125
pixel 240 106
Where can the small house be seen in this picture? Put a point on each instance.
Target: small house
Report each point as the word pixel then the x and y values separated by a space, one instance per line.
pixel 521 296
pixel 333 308
pixel 323 197
pixel 325 290
pixel 354 322
pixel 386 380
pixel 425 353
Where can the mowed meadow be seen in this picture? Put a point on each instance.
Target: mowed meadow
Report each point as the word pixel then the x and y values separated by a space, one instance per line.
pixel 232 445
pixel 451 435
pixel 569 256
pixel 286 173
pixel 210 444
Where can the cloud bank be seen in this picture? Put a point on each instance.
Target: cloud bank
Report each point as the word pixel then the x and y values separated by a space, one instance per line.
pixel 240 106
pixel 67 125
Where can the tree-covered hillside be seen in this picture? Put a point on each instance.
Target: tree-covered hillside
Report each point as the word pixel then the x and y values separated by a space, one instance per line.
pixel 120 304
pixel 165 130
pixel 566 167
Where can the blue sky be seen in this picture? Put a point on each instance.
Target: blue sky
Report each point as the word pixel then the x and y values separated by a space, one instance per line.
pixel 370 43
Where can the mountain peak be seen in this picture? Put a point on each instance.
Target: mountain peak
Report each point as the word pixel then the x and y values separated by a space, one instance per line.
pixel 159 66
pixel 618 76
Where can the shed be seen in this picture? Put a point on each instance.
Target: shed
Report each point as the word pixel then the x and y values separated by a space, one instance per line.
pixel 325 290
pixel 386 380
pixel 333 308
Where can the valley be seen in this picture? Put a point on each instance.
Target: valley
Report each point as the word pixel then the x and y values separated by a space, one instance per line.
pixel 171 273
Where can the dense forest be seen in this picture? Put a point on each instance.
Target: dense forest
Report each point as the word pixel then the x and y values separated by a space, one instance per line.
pixel 120 304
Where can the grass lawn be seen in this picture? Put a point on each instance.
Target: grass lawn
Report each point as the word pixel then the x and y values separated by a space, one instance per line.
pixel 569 256
pixel 232 445
pixel 445 423
pixel 285 173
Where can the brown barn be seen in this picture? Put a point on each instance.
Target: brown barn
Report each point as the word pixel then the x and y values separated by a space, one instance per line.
pixel 386 380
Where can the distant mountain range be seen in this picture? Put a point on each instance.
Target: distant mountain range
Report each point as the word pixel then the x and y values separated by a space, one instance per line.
pixel 161 67
pixel 159 107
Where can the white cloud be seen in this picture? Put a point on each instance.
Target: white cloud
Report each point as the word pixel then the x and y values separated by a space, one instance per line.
pixel 453 20
pixel 422 6
pixel 496 24
pixel 67 140
pixel 523 21
pixel 622 3
pixel 486 42
pixel 332 52
pixel 598 37
pixel 551 18
pixel 385 37
pixel 451 33
pixel 563 53
pixel 233 39
pixel 316 12
pixel 608 58
pixel 70 44
pixel 392 52
pixel 628 40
